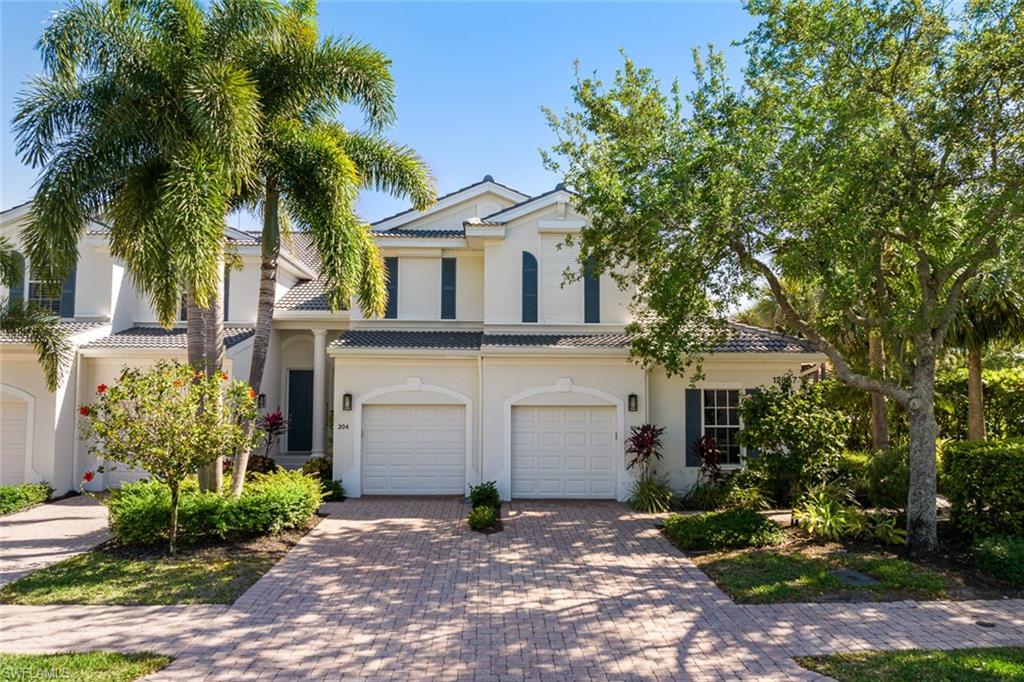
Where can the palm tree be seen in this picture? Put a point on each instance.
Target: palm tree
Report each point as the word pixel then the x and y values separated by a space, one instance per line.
pixel 37 325
pixel 145 114
pixel 311 167
pixel 991 310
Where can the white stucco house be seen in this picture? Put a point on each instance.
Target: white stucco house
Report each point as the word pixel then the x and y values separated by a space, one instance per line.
pixel 485 367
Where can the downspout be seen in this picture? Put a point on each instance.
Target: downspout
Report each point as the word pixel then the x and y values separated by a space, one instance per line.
pixel 479 418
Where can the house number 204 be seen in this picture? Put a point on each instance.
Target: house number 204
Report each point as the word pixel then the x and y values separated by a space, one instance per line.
pixel 343 427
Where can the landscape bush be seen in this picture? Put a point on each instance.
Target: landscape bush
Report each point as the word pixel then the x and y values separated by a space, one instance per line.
pixel 828 511
pixel 1001 556
pixel 322 468
pixel 482 518
pixel 797 433
pixel 20 496
pixel 485 495
pixel 1004 402
pixel 984 483
pixel 270 503
pixel 651 495
pixel 730 529
pixel 888 478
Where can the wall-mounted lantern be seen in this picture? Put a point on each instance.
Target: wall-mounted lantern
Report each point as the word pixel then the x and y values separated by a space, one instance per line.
pixel 632 402
pixel 346 402
pixel 261 401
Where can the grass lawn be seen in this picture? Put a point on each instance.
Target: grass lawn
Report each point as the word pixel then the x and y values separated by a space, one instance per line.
pixel 960 665
pixel 108 575
pixel 799 571
pixel 93 666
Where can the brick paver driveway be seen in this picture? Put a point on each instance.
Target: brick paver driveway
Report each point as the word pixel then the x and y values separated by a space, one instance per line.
pixel 401 589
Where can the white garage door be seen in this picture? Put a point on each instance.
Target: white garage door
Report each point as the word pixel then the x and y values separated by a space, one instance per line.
pixel 414 449
pixel 563 452
pixel 14 427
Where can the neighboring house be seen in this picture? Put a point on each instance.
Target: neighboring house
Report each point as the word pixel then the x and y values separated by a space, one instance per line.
pixel 486 366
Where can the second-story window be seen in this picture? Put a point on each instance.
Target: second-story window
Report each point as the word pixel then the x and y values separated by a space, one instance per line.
pixel 60 300
pixel 447 288
pixel 529 287
pixel 591 293
pixel 391 268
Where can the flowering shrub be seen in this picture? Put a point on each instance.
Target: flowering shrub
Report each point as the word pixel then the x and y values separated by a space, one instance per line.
pixel 169 421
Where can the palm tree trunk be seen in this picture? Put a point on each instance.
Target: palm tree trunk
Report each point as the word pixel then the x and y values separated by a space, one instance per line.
pixel 270 248
pixel 211 476
pixel 879 406
pixel 195 336
pixel 975 396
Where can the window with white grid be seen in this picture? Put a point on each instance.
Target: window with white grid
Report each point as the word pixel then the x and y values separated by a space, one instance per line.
pixel 722 422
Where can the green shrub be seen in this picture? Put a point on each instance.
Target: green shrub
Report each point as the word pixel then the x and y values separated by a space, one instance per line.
pixel 651 495
pixel 827 512
pixel 483 518
pixel 749 497
pixel 1004 402
pixel 888 478
pixel 853 473
pixel 703 496
pixel 1002 557
pixel 322 468
pixel 984 482
pixel 140 512
pixel 22 496
pixel 799 435
pixel 731 529
pixel 886 528
pixel 485 495
pixel 334 491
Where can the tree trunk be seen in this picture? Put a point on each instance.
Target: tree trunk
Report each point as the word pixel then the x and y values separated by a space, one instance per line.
pixel 975 396
pixel 211 476
pixel 195 336
pixel 174 518
pixel 879 404
pixel 922 538
pixel 270 248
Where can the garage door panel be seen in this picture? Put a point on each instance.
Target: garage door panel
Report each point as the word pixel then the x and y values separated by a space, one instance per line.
pixel 14 427
pixel 414 449
pixel 563 451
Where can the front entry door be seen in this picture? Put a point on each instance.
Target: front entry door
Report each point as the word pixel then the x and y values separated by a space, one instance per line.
pixel 300 410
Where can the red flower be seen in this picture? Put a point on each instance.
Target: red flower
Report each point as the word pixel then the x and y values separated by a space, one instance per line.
pixel 252 392
pixel 84 410
pixel 223 376
pixel 101 389
pixel 88 476
pixel 178 383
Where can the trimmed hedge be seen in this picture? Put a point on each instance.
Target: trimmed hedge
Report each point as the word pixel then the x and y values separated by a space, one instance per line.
pixel 731 529
pixel 984 482
pixel 14 498
pixel 1001 557
pixel 270 503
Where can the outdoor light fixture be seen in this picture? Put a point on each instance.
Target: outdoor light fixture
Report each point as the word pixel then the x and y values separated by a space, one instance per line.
pixel 261 400
pixel 632 402
pixel 346 402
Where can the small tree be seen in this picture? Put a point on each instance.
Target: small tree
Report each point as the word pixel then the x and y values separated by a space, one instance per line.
pixel 798 434
pixel 152 420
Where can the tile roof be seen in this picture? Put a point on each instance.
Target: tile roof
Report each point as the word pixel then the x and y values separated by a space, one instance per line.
pixel 489 219
pixel 158 337
pixel 434 340
pixel 738 339
pixel 69 327
pixel 308 295
pixel 557 340
pixel 487 178
pixel 422 234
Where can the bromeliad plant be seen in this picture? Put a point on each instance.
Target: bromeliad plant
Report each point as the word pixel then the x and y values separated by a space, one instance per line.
pixel 169 421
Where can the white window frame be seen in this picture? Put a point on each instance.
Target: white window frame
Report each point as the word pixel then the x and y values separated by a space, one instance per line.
pixel 27 292
pixel 704 425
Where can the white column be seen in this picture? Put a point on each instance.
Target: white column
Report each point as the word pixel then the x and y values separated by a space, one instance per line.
pixel 319 389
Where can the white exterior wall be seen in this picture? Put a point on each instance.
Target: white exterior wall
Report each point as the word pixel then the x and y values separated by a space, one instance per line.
pixel 419 288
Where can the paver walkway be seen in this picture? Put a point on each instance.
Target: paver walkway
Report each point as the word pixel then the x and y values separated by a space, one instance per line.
pixel 401 589
pixel 48 533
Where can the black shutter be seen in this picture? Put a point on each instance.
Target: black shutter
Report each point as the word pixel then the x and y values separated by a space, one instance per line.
pixel 227 291
pixel 67 295
pixel 591 293
pixel 391 266
pixel 447 288
pixel 694 425
pixel 17 287
pixel 529 287
pixel 752 452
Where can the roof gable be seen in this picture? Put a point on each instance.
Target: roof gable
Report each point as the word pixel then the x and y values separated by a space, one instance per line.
pixel 457 206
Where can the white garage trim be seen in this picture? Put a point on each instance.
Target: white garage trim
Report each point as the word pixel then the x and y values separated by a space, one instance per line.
pixel 568 387
pixel 31 475
pixel 411 384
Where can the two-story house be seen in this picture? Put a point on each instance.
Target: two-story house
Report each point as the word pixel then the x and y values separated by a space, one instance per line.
pixel 486 366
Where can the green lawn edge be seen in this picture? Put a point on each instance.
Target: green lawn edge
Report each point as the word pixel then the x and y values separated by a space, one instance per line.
pixel 955 665
pixel 87 666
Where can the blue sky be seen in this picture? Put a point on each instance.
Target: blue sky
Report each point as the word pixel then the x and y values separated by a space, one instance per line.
pixel 471 77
